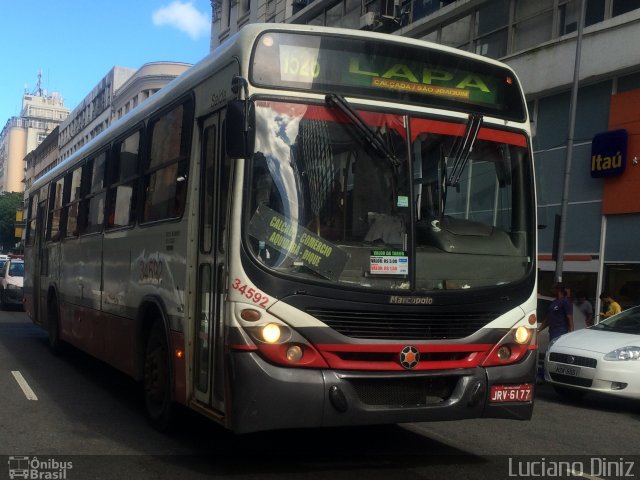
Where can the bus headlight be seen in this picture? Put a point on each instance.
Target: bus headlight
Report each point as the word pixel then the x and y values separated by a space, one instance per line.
pixel 512 348
pixel 523 335
pixel 271 333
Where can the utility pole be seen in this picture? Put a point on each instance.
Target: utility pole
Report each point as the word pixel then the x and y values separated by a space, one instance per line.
pixel 572 127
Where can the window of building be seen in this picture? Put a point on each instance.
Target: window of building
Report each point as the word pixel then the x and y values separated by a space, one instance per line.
pixel 165 178
pixel 492 16
pixel 622 282
pixel 492 28
pixel 353 11
pixel 422 8
pixel 533 25
pixel 569 15
pixel 457 34
pixel 623 6
pixel 334 15
pixel 270 10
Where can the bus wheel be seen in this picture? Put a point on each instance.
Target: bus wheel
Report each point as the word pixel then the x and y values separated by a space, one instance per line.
pixel 56 345
pixel 157 380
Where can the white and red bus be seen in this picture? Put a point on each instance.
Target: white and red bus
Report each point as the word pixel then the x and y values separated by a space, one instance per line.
pixel 311 227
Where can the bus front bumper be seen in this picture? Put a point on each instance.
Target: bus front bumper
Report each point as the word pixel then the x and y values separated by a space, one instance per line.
pixel 267 397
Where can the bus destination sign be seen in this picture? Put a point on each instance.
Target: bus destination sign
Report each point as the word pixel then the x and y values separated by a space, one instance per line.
pixel 385 70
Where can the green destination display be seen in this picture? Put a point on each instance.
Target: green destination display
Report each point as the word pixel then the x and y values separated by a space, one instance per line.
pixel 301 246
pixel 386 70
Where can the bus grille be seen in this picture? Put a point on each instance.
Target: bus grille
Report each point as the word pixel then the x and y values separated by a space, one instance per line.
pixel 403 325
pixel 414 392
pixel 578 361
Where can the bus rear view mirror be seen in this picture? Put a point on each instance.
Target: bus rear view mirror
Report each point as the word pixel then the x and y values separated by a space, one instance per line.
pixel 240 128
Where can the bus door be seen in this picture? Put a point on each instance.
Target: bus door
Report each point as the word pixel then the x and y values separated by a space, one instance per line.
pixel 215 182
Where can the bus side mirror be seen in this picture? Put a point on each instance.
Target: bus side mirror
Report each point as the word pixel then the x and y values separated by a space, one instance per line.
pixel 240 124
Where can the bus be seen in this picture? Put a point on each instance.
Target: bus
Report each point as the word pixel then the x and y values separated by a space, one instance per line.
pixel 311 227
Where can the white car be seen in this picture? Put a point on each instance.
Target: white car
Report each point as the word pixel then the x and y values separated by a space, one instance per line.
pixel 604 358
pixel 11 283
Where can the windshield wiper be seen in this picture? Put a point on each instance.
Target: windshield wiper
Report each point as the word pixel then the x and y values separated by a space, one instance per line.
pixel 461 149
pixel 459 155
pixel 373 138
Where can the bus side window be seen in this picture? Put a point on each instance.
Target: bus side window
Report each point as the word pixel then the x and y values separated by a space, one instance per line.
pixel 92 207
pixel 165 179
pixel 55 210
pixel 32 220
pixel 123 181
pixel 73 203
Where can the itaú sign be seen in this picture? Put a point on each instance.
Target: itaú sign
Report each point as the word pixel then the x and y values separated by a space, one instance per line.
pixel 609 153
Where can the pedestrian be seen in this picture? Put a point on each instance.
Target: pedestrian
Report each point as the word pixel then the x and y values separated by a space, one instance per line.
pixel 613 307
pixel 559 318
pixel 585 307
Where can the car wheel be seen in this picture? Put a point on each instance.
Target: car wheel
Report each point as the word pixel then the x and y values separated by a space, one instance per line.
pixel 157 379
pixel 3 304
pixel 572 394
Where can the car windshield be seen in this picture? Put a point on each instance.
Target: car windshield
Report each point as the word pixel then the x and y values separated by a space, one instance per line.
pixel 327 205
pixel 627 321
pixel 16 269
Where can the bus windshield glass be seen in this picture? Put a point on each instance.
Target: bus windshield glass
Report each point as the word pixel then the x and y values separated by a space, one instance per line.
pixel 373 68
pixel 325 205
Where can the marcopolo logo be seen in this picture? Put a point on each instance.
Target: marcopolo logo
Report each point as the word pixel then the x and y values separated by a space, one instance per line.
pixel 38 469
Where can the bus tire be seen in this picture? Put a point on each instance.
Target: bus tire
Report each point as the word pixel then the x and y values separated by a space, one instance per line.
pixel 56 345
pixel 157 379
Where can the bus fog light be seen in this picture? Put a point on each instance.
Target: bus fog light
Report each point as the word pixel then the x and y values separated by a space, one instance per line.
pixel 294 353
pixel 250 315
pixel 523 335
pixel 271 333
pixel 504 353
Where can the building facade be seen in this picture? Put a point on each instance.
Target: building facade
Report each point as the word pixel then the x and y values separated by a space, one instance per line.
pixel 40 115
pixel 146 81
pixel 538 38
pixel 92 114
pixel 42 159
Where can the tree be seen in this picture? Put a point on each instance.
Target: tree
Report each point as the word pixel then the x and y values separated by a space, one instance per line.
pixel 9 203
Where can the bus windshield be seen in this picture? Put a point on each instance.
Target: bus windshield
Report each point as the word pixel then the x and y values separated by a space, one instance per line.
pixel 326 206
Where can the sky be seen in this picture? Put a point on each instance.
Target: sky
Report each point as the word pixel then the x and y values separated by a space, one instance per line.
pixel 74 43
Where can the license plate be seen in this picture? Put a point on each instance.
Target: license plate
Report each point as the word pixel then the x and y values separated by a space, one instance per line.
pixel 512 393
pixel 571 371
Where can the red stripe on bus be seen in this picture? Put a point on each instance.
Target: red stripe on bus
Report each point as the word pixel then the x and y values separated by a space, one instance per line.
pixel 243 348
pixel 423 125
pixel 363 357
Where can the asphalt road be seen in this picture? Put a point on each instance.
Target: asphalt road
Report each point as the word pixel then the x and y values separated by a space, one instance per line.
pixel 88 423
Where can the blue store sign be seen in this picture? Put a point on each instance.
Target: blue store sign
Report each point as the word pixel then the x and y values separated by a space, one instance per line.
pixel 609 153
